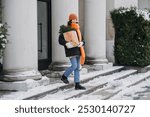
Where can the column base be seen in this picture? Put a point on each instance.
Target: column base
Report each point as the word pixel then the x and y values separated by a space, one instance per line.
pixel 11 76
pixel 97 64
pixel 92 61
pixel 23 85
pixel 59 66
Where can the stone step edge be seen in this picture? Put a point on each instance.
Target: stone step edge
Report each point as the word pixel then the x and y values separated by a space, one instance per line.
pixel 137 82
pixel 99 86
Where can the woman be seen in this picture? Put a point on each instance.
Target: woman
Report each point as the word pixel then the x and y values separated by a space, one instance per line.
pixel 73 51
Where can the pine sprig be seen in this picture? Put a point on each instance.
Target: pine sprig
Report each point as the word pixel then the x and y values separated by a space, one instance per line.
pixel 64 29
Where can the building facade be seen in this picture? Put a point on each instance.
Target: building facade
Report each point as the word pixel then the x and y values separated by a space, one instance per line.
pixel 33 33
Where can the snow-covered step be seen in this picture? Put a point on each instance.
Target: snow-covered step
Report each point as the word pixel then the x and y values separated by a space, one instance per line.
pixel 116 87
pixel 137 81
pixel 91 86
pixel 107 78
pixel 92 75
pixel 136 92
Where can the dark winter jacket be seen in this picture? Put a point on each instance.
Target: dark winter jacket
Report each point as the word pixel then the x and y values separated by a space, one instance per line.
pixel 69 52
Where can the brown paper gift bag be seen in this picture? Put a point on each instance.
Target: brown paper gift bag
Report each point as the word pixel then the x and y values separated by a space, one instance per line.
pixel 71 36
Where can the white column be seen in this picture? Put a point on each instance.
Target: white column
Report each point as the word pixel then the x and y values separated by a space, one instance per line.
pixel 60 13
pixel 95 31
pixel 20 57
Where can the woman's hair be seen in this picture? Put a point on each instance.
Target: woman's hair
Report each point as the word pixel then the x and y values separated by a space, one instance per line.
pixel 69 22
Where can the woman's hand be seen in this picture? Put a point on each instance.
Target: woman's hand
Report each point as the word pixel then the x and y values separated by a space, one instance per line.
pixel 80 44
pixel 69 45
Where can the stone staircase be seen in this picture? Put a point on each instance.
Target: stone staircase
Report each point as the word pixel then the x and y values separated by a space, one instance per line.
pixel 96 83
pixel 104 84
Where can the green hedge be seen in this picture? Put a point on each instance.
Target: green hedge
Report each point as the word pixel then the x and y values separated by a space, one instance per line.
pixel 132 36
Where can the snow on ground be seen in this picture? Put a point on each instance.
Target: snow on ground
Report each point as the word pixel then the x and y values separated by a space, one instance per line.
pixel 132 93
pixel 113 85
pixel 30 92
pixel 23 94
pixel 100 80
pixel 126 93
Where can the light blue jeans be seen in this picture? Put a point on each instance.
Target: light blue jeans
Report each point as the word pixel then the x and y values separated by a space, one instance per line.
pixel 75 66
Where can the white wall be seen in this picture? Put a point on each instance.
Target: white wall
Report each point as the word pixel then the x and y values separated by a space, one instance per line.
pixel 144 4
pixel 110 50
pixel 126 3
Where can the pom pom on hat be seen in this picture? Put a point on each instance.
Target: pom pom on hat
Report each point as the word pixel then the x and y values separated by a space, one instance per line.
pixel 73 16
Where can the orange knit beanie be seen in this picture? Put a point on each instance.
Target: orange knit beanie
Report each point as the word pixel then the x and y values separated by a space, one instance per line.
pixel 73 16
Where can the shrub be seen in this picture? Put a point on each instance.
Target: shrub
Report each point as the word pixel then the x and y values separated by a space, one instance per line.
pixel 3 38
pixel 132 36
pixel 3 33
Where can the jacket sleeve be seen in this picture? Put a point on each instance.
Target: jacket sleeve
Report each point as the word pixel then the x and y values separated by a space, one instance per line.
pixel 62 40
